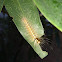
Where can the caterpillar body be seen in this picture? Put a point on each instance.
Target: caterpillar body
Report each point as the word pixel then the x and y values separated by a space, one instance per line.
pixel 31 31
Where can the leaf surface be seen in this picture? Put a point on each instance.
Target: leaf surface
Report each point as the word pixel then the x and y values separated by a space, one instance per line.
pixel 26 18
pixel 1 4
pixel 52 10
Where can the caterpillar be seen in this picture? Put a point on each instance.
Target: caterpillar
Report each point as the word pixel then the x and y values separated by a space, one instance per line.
pixel 31 31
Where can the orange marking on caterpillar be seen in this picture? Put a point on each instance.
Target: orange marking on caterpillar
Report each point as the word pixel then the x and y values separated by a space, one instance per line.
pixel 30 30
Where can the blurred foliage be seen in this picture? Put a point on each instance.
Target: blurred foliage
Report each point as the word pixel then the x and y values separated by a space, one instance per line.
pixel 1 4
pixel 52 10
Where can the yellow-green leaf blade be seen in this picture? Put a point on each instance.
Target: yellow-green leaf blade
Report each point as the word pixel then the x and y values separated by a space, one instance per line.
pixel 26 19
pixel 52 10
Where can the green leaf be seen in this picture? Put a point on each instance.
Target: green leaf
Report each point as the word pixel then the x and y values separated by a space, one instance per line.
pixel 1 4
pixel 52 10
pixel 26 18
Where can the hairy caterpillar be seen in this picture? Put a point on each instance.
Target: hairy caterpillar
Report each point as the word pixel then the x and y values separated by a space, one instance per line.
pixel 31 31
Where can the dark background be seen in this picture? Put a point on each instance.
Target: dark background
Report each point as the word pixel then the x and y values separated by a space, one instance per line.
pixel 14 48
